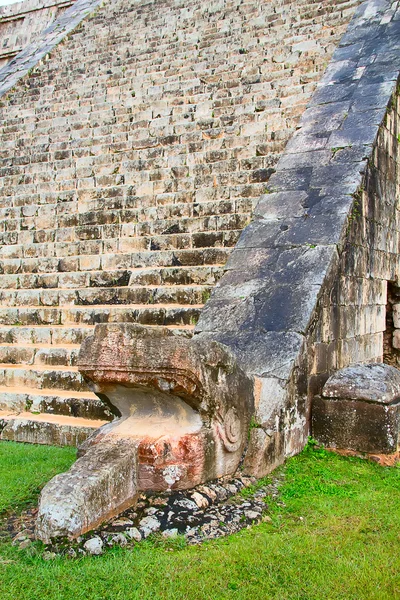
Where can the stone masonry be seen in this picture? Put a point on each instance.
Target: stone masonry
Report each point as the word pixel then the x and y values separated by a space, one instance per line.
pixel 22 23
pixel 40 49
pixel 131 159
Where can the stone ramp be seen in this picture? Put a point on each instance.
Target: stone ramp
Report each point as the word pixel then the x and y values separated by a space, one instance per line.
pixel 21 23
pixel 128 176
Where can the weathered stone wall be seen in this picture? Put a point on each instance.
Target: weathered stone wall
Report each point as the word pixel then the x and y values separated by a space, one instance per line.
pixel 351 319
pixel 23 22
pixel 131 160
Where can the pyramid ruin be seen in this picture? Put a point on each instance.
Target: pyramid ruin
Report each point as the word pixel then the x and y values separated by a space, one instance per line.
pixel 200 239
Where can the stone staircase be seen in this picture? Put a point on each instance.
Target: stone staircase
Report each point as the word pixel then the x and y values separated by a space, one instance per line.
pixel 41 330
pixel 129 163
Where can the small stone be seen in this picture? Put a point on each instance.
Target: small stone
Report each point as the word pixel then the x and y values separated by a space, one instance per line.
pixel 236 518
pixel 159 501
pixel 149 525
pixel 215 519
pixel 25 543
pixel 200 500
pixel 150 511
pixel 191 532
pixel 251 514
pixel 208 492
pixel 267 519
pixel 18 540
pixel 49 555
pixel 134 534
pixel 221 492
pixel 186 504
pixel 170 533
pixel 119 539
pixel 71 553
pixel 20 537
pixel 94 546
pixel 246 481
pixel 122 522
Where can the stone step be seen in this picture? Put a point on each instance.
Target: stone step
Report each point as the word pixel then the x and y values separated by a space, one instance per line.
pixel 138 294
pixel 39 354
pixel 179 275
pixel 61 335
pixel 74 404
pixel 42 377
pixel 138 223
pixel 44 334
pixel 160 314
pixel 66 267
pixel 192 275
pixel 55 430
pixel 142 241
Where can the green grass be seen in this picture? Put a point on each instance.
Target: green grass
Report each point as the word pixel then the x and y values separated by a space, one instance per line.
pixel 335 536
pixel 24 468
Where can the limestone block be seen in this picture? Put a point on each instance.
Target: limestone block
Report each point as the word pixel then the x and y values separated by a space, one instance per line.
pixel 269 399
pixel 264 453
pixel 396 339
pixel 89 263
pixel 90 492
pixel 28 429
pixel 396 315
pixel 359 409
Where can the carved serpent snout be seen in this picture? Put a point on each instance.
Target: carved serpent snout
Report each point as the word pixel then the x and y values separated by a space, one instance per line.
pixel 183 407
pixel 203 373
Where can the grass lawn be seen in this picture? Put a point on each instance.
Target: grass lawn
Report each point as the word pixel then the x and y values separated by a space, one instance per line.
pixel 335 533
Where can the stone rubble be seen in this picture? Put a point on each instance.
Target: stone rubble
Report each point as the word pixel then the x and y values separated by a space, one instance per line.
pixel 224 511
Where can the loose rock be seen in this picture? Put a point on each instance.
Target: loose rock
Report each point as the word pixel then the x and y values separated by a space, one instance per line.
pixel 149 525
pixel 134 534
pixel 94 546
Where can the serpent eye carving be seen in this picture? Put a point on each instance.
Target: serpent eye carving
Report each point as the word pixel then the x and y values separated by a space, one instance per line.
pixel 229 429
